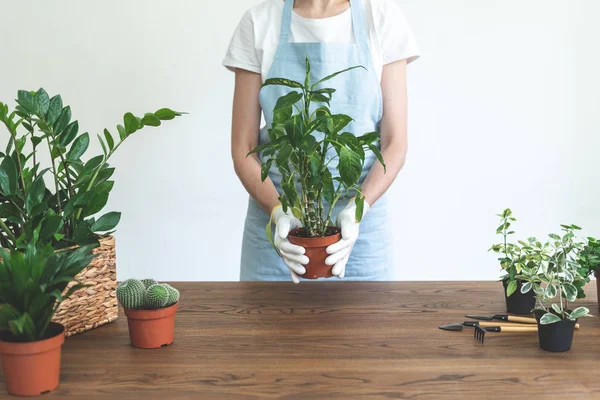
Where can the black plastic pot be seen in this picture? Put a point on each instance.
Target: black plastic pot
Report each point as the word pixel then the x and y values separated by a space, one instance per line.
pixel 519 303
pixel 556 337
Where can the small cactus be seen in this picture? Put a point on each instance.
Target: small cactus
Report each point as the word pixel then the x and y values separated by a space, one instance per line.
pixel 149 282
pixel 173 295
pixel 157 296
pixel 132 294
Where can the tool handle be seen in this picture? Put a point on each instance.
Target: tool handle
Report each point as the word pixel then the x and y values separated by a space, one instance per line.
pixel 518 329
pixel 522 320
pixel 486 324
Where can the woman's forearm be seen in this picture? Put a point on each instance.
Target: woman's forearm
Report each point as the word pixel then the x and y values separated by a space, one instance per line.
pixel 393 132
pixel 244 137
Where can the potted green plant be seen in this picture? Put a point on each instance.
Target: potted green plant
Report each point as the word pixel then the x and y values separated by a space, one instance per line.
pixel 556 282
pixel 513 260
pixel 150 308
pixel 77 191
pixel 32 286
pixel 306 140
pixel 589 261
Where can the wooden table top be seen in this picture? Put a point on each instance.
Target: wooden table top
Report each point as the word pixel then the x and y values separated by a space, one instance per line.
pixel 342 340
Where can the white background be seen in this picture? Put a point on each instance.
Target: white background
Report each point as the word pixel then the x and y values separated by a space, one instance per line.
pixel 503 112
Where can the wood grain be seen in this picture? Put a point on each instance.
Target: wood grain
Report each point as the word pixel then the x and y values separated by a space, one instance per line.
pixel 335 340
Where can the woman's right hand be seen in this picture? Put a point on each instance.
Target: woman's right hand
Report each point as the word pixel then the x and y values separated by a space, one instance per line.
pixel 293 255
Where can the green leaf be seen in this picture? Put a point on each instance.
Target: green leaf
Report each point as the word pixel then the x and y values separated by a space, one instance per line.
pixel 131 123
pixel 349 166
pixel 288 100
pixel 550 291
pixel 308 144
pixel 570 292
pixel 307 78
pixel 282 82
pixel 25 100
pixel 328 189
pixel 290 192
pixel 166 114
pixel 265 168
pixel 369 137
pixel 259 148
pixel 109 139
pixel 102 144
pixel 69 134
pixel 556 308
pixel 54 109
pixel 336 74
pixel 41 102
pixel 106 222
pixel 549 318
pixel 526 287
pixel 281 115
pixel 360 206
pixel 375 151
pixel 579 312
pixel 151 120
pixel 122 133
pixel 511 288
pixel 62 121
pixel 8 176
pixel 320 98
pixel 36 194
pixel 96 204
pixel 79 147
pixel 340 121
pixel 50 226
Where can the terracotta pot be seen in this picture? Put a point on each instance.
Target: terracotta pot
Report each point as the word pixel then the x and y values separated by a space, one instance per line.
pixel 151 329
pixel 316 253
pixel 597 275
pixel 519 303
pixel 32 368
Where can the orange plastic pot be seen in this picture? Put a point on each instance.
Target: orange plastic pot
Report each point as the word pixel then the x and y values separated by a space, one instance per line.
pixel 32 368
pixel 151 329
pixel 316 252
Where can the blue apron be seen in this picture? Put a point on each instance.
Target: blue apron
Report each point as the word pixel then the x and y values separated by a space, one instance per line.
pixel 358 94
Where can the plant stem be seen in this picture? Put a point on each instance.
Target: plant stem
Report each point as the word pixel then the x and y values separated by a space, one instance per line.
pixel 13 135
pixel 55 175
pixel 8 232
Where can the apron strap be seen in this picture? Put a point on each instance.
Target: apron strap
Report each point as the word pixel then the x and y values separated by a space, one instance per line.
pixel 286 22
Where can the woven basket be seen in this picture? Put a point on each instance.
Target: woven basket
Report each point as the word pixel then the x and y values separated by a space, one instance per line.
pixel 96 304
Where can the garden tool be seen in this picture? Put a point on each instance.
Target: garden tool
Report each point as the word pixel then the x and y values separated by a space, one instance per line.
pixel 479 333
pixel 471 324
pixel 504 317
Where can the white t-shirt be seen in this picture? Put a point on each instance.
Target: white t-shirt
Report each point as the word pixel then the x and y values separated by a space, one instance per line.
pixel 255 40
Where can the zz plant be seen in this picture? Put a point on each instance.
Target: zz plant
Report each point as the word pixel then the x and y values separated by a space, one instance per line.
pixel 558 278
pixel 33 284
pixel 64 211
pixel 306 137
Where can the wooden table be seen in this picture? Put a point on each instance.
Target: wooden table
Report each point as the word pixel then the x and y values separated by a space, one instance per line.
pixel 338 340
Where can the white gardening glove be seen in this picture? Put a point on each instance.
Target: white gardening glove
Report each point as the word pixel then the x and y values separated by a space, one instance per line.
pixel 340 252
pixel 292 255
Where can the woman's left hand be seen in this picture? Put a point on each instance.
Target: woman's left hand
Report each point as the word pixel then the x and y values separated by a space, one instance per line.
pixel 340 252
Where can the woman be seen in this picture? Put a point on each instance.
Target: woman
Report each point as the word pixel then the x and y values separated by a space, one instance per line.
pixel 272 40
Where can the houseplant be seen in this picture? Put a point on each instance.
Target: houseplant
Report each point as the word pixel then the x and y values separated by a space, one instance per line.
pixel 150 308
pixel 556 282
pixel 513 259
pixel 77 191
pixel 306 143
pixel 589 262
pixel 32 286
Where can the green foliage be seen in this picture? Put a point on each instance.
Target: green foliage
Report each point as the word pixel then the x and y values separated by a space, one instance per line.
pixel 146 294
pixel 558 277
pixel 64 211
pixel 131 294
pixel 307 183
pixel 589 257
pixel 33 283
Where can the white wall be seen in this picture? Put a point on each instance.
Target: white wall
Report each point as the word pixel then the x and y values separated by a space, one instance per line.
pixel 503 112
